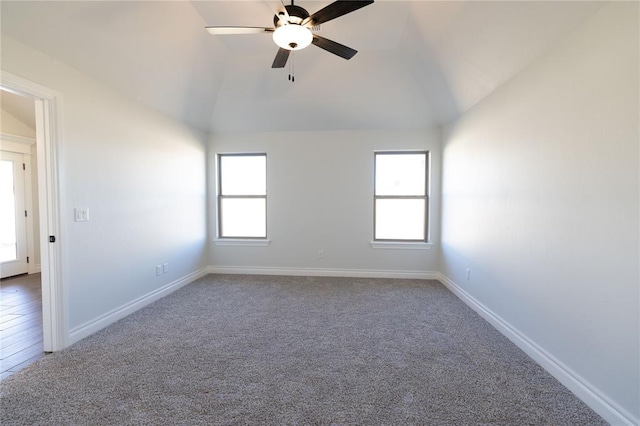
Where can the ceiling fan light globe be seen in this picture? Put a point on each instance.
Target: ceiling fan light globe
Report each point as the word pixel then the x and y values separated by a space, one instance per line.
pixel 292 37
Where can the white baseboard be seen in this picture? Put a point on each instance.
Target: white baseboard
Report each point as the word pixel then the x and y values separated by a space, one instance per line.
pixel 35 269
pixel 589 394
pixel 84 330
pixel 323 272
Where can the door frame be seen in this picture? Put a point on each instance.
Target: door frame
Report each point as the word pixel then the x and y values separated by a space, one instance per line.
pixel 47 109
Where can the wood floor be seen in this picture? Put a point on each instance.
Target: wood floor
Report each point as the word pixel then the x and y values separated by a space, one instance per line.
pixel 20 323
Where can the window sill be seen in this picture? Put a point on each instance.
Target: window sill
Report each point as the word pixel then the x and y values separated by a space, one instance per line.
pixel 399 245
pixel 240 242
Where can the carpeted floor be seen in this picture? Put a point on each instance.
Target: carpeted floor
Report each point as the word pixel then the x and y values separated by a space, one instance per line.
pixel 292 350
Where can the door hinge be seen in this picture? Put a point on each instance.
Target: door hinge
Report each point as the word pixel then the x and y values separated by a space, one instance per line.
pixel 25 213
pixel 52 238
pixel 27 259
pixel 24 167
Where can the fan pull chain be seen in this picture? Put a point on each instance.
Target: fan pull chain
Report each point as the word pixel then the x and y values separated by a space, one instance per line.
pixel 292 77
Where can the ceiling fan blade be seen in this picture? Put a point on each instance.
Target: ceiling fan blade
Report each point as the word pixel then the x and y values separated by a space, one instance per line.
pixel 335 10
pixel 238 30
pixel 281 58
pixel 333 47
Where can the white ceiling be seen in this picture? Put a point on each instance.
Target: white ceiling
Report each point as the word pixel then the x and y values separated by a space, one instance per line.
pixel 420 63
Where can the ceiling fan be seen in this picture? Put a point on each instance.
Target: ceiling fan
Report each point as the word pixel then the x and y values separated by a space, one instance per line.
pixel 292 29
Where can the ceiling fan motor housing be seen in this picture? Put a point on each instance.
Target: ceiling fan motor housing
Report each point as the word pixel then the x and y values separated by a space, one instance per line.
pixel 297 14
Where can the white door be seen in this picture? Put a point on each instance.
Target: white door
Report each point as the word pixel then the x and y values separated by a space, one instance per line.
pixel 13 221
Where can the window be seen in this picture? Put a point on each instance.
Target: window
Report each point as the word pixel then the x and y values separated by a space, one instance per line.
pixel 401 201
pixel 242 195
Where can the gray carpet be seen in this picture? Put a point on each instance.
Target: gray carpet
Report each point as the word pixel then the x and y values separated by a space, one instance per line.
pixel 291 350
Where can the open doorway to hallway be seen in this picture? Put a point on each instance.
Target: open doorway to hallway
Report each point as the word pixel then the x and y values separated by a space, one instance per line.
pixel 47 125
pixel 21 318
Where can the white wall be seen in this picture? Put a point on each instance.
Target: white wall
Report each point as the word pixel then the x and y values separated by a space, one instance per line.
pixel 320 197
pixel 540 201
pixel 141 174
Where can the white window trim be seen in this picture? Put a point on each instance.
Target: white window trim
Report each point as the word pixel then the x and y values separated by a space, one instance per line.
pixel 405 244
pixel 252 241
pixel 399 245
pixel 241 242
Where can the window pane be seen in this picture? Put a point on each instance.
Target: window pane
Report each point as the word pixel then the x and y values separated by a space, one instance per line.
pixel 401 174
pixel 400 219
pixel 8 244
pixel 244 217
pixel 243 174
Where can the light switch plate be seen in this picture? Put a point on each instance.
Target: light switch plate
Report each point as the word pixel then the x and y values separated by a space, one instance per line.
pixel 82 214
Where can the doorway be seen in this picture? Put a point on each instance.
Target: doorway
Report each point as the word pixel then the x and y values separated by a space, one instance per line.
pixel 19 219
pixel 13 223
pixel 21 325
pixel 46 103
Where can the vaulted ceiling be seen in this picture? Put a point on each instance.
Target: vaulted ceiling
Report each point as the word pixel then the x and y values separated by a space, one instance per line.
pixel 419 63
pixel 21 108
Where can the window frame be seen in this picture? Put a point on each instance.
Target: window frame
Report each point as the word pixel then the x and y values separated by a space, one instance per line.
pixel 222 197
pixel 424 197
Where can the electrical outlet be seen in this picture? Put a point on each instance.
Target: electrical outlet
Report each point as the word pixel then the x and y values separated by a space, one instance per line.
pixel 158 269
pixel 165 267
pixel 468 274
